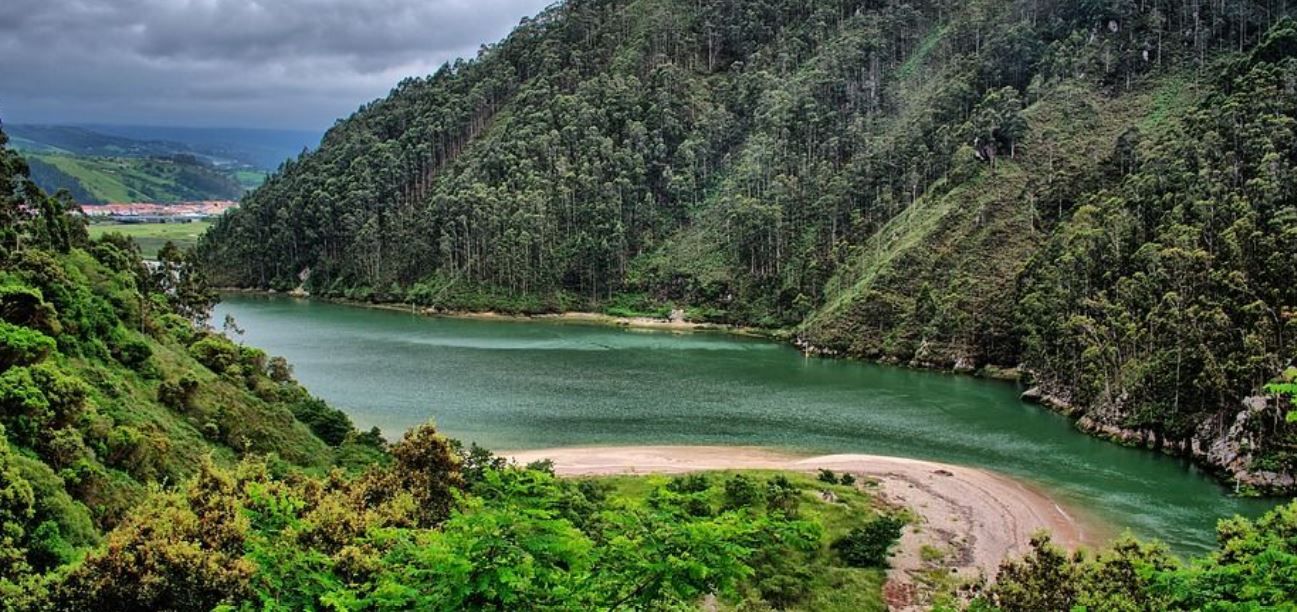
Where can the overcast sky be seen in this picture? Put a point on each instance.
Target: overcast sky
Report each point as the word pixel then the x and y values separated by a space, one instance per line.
pixel 238 63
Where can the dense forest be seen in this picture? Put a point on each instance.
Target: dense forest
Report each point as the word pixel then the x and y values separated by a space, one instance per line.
pixel 1102 192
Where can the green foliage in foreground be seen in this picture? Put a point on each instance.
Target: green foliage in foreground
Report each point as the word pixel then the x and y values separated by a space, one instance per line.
pixel 498 537
pixel 111 388
pixel 1254 568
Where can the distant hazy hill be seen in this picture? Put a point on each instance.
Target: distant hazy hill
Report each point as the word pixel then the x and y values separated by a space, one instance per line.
pixel 100 180
pixel 252 148
pixel 263 149
pixel 155 164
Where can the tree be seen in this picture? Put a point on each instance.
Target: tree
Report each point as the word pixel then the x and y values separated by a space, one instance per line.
pixel 426 465
pixel 869 544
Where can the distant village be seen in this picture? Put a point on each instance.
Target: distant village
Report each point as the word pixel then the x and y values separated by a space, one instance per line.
pixel 141 212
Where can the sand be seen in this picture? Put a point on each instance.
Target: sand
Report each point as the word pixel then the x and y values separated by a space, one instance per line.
pixel 976 517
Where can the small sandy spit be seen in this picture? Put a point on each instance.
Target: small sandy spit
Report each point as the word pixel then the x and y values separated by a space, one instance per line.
pixel 976 517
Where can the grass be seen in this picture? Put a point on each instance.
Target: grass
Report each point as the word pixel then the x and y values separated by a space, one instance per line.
pixel 151 236
pixel 835 586
pixel 250 179
pixel 135 179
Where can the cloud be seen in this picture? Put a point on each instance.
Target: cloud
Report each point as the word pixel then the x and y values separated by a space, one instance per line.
pixel 266 63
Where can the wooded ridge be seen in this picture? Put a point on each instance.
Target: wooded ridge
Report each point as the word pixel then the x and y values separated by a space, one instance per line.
pixel 1100 191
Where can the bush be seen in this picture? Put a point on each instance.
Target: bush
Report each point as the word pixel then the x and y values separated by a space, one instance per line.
pixel 216 353
pixel 741 492
pixel 868 545
pixel 327 423
pixel 427 467
pixel 279 370
pixel 130 352
pixel 828 476
pixel 782 496
pixel 689 483
pixel 23 305
pixel 20 346
pixel 179 394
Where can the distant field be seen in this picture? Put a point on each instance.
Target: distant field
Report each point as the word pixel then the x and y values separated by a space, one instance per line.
pixel 151 236
pixel 250 179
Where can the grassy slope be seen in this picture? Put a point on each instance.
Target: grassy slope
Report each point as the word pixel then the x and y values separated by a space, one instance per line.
pixel 970 245
pixel 151 236
pixel 146 442
pixel 123 179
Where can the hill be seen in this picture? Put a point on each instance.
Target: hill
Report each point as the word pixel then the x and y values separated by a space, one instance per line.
pixel 1097 191
pixel 103 180
pixel 101 164
pixel 109 387
pixel 260 149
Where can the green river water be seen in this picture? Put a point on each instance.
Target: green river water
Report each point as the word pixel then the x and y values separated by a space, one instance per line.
pixel 522 385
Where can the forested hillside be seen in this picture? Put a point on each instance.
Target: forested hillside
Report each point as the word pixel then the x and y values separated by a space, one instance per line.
pixel 109 388
pixel 1101 191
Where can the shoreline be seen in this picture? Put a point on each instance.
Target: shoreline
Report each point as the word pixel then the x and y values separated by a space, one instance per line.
pixel 570 316
pixel 977 517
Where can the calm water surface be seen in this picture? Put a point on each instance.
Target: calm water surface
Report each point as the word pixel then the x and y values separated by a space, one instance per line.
pixel 519 385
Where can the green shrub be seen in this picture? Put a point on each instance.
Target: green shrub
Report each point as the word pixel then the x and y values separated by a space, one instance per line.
pixel 782 496
pixel 742 492
pixel 216 353
pixel 24 305
pixel 128 350
pixel 827 476
pixel 279 370
pixel 21 346
pixel 179 394
pixel 327 423
pixel 868 545
pixel 175 327
pixel 689 483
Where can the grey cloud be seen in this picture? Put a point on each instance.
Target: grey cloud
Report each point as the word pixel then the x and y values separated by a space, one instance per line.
pixel 289 63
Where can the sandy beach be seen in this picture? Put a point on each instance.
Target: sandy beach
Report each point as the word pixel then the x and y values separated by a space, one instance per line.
pixel 977 517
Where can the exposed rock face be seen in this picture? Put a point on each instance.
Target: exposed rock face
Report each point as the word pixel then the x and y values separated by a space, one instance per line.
pixel 1226 450
pixel 808 348
pixel 1231 451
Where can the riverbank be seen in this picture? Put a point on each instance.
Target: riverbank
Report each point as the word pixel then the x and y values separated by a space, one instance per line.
pixel 977 518
pixel 583 317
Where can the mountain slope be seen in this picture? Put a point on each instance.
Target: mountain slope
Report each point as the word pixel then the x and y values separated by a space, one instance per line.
pixel 915 182
pixel 106 164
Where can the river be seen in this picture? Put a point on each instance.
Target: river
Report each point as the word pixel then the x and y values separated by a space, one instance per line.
pixel 514 385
